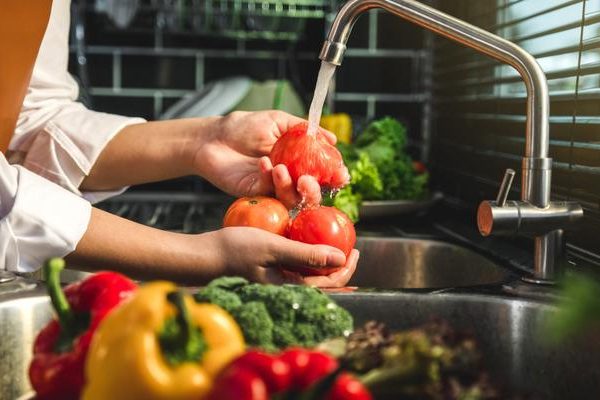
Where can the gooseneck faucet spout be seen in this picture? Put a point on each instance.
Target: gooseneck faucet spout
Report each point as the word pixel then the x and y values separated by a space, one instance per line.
pixel 536 165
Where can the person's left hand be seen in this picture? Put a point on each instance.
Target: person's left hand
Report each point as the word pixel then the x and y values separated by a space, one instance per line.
pixel 234 157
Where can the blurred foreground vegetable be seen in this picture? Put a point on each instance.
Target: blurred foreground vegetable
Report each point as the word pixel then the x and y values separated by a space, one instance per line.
pixel 297 373
pixel 275 317
pixel 578 311
pixel 160 345
pixel 61 348
pixel 431 362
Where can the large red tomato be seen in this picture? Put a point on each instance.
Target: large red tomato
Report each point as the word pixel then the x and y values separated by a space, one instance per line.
pixel 258 212
pixel 305 154
pixel 323 225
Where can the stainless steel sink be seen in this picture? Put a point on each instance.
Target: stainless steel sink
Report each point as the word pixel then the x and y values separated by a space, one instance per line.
pixel 415 263
pixel 510 332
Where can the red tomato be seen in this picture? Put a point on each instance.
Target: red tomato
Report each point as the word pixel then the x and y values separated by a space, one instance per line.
pixel 323 225
pixel 258 212
pixel 307 366
pixel 313 155
pixel 347 387
pixel 275 373
pixel 238 383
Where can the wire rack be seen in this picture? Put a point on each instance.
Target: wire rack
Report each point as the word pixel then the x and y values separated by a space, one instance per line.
pixel 178 212
pixel 238 19
pixel 266 19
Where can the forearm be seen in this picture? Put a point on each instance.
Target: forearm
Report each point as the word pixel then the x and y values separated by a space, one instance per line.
pixel 149 152
pixel 114 243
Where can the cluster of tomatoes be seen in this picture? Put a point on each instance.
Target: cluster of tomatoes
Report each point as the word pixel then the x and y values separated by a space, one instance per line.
pixel 303 154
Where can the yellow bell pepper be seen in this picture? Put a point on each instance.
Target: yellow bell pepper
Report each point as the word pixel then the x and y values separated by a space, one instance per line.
pixel 129 357
pixel 340 124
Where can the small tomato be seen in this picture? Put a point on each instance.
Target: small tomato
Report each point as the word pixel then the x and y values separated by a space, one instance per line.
pixel 258 212
pixel 323 225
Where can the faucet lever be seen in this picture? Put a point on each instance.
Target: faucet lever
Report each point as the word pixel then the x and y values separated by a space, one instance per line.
pixel 507 181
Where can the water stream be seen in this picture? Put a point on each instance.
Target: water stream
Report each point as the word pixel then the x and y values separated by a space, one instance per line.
pixel 316 106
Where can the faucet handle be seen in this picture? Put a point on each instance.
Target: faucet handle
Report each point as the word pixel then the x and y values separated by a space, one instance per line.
pixel 507 181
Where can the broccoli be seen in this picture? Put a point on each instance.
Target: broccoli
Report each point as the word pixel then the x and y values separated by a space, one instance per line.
pixel 281 302
pixel 274 317
pixel 335 322
pixel 229 282
pixel 306 334
pixel 219 296
pixel 283 335
pixel 256 323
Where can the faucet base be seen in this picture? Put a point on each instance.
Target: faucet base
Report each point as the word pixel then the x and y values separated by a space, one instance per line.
pixel 537 281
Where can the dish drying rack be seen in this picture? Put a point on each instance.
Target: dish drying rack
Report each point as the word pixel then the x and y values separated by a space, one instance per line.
pixel 245 19
pixel 178 212
pixel 282 20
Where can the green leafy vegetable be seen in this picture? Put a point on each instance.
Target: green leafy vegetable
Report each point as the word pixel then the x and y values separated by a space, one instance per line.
pixel 275 317
pixel 579 309
pixel 386 130
pixel 365 178
pixel 346 201
pixel 379 168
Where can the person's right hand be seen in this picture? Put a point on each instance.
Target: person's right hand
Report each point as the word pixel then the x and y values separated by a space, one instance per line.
pixel 258 255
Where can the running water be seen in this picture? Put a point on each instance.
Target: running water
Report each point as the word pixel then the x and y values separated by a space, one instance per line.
pixel 316 106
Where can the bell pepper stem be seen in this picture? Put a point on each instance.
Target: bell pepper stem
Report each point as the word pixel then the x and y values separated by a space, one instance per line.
pixel 183 318
pixel 52 270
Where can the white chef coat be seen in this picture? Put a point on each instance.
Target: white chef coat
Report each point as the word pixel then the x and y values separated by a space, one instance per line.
pixel 58 139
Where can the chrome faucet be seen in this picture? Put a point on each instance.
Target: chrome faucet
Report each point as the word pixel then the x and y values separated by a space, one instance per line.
pixel 535 214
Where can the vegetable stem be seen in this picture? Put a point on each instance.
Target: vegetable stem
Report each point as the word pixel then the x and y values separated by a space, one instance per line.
pixel 182 318
pixel 66 317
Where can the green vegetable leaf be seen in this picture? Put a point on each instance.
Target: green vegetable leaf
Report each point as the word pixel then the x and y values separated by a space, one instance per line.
pixel 578 310
pixel 365 178
pixel 387 131
pixel 346 201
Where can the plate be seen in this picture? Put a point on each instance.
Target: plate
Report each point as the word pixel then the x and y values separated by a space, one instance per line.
pixel 216 98
pixel 388 208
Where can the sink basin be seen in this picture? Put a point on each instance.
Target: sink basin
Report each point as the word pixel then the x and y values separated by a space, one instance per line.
pixel 390 263
pixel 508 330
pixel 510 333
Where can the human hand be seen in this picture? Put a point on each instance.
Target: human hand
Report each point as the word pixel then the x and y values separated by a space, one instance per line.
pixel 234 157
pixel 260 258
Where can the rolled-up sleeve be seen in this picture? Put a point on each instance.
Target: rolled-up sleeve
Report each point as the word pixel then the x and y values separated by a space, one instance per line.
pixel 57 137
pixel 38 219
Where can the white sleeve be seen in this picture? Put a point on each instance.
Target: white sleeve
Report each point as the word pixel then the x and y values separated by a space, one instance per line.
pixel 56 136
pixel 38 219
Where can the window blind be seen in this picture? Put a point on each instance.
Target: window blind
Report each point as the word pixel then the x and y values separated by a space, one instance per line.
pixel 479 104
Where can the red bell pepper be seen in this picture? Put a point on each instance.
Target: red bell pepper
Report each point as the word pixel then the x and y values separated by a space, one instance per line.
pixel 60 349
pixel 299 373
